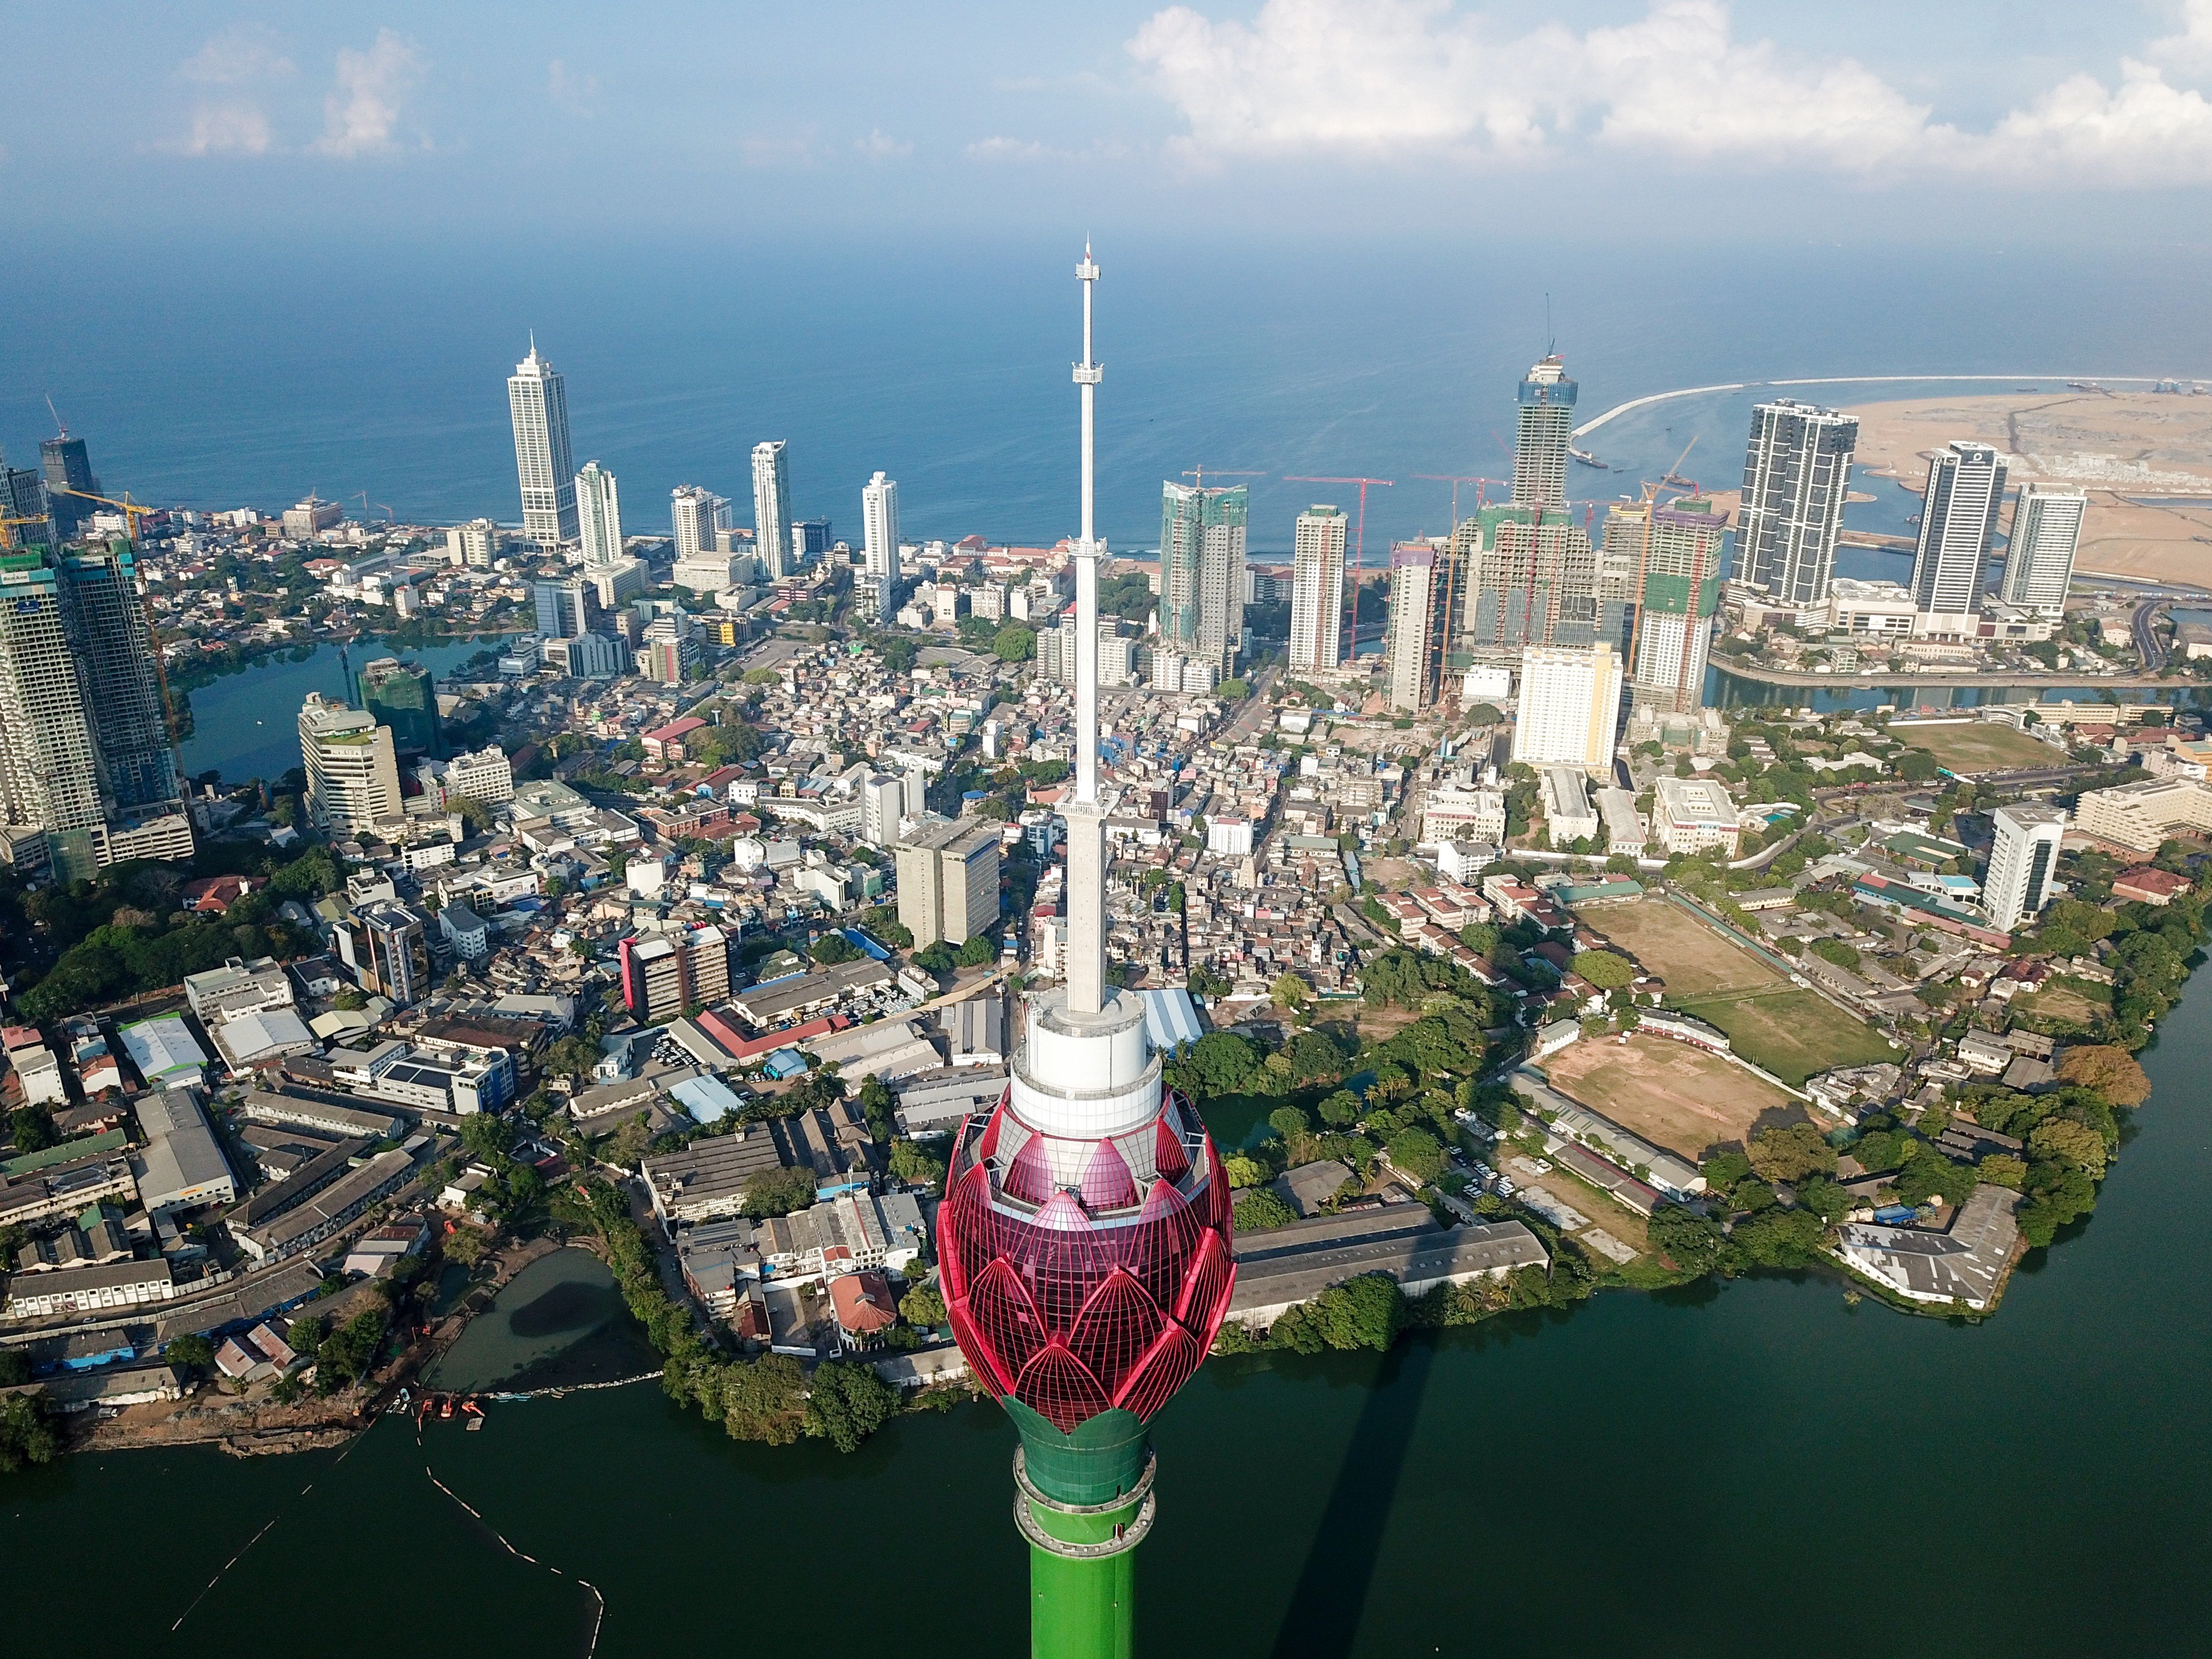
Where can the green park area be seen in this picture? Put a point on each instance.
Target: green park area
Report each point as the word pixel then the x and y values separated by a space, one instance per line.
pixel 1979 746
pixel 1793 1033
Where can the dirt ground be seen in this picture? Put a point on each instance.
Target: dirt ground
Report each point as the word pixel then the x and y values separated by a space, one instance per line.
pixel 1982 746
pixel 2128 449
pixel 1675 1095
pixel 1691 957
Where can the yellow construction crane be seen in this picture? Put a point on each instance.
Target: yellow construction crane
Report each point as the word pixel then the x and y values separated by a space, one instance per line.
pixel 131 510
pixel 8 529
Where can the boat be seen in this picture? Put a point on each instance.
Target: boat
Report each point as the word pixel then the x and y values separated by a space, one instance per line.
pixel 1587 458
pixel 446 1406
pixel 1676 481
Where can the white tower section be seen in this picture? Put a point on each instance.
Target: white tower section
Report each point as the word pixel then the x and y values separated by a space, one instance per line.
pixel 1086 821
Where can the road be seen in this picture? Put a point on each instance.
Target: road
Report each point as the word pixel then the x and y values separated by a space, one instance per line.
pixel 1255 710
pixel 2145 624
pixel 1883 680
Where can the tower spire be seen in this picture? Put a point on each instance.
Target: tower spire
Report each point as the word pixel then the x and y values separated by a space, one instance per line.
pixel 1086 824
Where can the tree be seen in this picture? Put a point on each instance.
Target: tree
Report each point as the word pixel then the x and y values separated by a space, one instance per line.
pixel 349 1353
pixel 1607 970
pixel 934 958
pixel 764 1400
pixel 1290 993
pixel 2064 1141
pixel 762 677
pixel 911 1164
pixel 976 952
pixel 1917 766
pixel 190 1353
pixel 2112 1072
pixel 833 948
pixel 778 1192
pixel 1243 1172
pixel 1693 1242
pixel 466 1246
pixel 1418 1153
pixel 1837 952
pixel 846 1403
pixel 1366 1312
pixel 1790 1152
pixel 1014 643
pixel 33 1129
pixel 1339 1111
pixel 922 1307
pixel 27 1433
pixel 1259 1209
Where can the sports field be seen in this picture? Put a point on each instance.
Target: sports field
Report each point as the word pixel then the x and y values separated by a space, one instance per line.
pixel 1673 1095
pixel 1981 746
pixel 1694 959
pixel 1792 1033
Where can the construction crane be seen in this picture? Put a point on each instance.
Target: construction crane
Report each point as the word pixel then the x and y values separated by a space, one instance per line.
pixel 7 528
pixel 1199 472
pixel 131 513
pixel 1482 495
pixel 1359 537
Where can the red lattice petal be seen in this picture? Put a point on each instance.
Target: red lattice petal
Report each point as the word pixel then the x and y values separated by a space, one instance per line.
pixel 1028 1177
pixel 1107 1184
pixel 1118 1325
pixel 1055 1385
pixel 1206 1290
pixel 988 1146
pixel 1173 1358
pixel 979 1353
pixel 1167 1154
pixel 1005 1318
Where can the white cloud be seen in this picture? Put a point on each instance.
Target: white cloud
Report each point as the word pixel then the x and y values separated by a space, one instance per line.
pixel 225 130
pixel 235 57
pixel 999 148
pixel 363 108
pixel 577 93
pixel 880 146
pixel 1380 79
pixel 2190 50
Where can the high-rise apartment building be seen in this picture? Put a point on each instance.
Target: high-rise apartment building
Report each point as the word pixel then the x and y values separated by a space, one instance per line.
pixel 474 544
pixel 948 879
pixel 1424 583
pixel 568 606
pixel 664 974
pixel 772 508
pixel 693 515
pixel 49 766
pixel 353 768
pixel 1569 708
pixel 2023 853
pixel 1547 423
pixel 1534 580
pixel 1958 522
pixel 880 537
pixel 106 621
pixel 69 479
pixel 1202 578
pixel 538 402
pixel 402 696
pixel 1317 589
pixel 23 498
pixel 1620 568
pixel 484 774
pixel 1683 567
pixel 1797 474
pixel 2046 529
pixel 598 516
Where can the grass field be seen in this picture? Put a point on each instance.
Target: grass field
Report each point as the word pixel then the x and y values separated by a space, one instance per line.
pixel 1982 746
pixel 1677 1097
pixel 1689 955
pixel 1793 1033
pixel 2057 1002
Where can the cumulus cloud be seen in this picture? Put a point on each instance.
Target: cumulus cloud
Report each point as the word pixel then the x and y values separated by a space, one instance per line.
pixel 2189 51
pixel 880 146
pixel 1379 79
pixel 225 130
pixel 361 112
pixel 235 57
pixel 999 147
pixel 577 93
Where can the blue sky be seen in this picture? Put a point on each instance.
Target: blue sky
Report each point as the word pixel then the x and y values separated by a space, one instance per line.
pixel 788 129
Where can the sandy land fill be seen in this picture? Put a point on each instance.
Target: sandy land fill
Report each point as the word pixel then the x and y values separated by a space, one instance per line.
pixel 2134 452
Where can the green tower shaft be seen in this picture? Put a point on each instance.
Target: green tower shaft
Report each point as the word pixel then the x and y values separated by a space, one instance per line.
pixel 1084 1504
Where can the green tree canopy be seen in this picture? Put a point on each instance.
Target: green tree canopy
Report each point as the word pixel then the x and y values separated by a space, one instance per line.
pixel 847 1402
pixel 1607 970
pixel 1790 1152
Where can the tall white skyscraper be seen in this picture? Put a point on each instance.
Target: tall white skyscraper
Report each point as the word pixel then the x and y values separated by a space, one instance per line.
pixel 1569 707
pixel 1958 522
pixel 772 508
pixel 693 515
pixel 1548 415
pixel 1317 589
pixel 2023 852
pixel 1797 472
pixel 598 516
pixel 2046 529
pixel 879 531
pixel 537 399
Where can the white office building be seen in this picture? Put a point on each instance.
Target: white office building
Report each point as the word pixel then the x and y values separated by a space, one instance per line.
pixel 772 508
pixel 538 400
pixel 353 773
pixel 879 536
pixel 1958 522
pixel 483 774
pixel 2022 856
pixel 1317 589
pixel 1797 472
pixel 474 544
pixel 1569 707
pixel 2047 529
pixel 599 517
pixel 693 515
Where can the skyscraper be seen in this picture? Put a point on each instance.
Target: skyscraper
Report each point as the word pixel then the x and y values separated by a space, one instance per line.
pixel 1534 580
pixel 106 621
pixel 568 607
pixel 538 400
pixel 49 770
pixel 1620 569
pixel 1548 416
pixel 353 771
pixel 1202 572
pixel 23 497
pixel 1084 1233
pixel 68 468
pixel 1569 708
pixel 598 516
pixel 879 536
pixel 1424 583
pixel 404 697
pixel 772 508
pixel 1681 587
pixel 2023 853
pixel 1796 473
pixel 1958 522
pixel 692 511
pixel 2047 529
pixel 1317 589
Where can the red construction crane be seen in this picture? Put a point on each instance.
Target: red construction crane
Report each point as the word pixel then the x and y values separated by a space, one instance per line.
pixel 1481 496
pixel 1359 538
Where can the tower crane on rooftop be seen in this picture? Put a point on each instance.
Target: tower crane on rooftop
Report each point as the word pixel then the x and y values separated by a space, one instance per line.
pixel 131 510
pixel 1359 536
pixel 7 528
pixel 131 513
pixel 1482 495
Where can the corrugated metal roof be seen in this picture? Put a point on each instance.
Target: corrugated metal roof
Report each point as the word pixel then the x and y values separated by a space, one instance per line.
pixel 1171 1017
